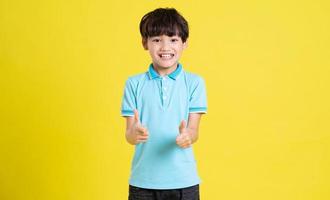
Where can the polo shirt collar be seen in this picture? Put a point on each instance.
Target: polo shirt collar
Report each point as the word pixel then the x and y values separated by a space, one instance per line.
pixel 153 74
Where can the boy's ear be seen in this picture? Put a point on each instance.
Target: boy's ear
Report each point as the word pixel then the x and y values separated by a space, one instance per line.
pixel 144 44
pixel 185 44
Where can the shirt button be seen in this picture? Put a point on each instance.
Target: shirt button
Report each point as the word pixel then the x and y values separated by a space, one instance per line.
pixel 165 88
pixel 164 97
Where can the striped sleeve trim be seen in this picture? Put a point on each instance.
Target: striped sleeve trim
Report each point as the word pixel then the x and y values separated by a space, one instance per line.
pixel 197 110
pixel 127 113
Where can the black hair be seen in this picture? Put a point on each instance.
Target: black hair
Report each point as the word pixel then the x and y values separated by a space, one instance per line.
pixel 164 21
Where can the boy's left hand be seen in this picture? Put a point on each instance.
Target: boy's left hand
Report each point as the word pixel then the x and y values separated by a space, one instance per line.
pixel 184 139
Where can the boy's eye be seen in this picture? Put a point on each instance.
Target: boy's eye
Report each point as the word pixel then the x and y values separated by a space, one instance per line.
pixel 174 40
pixel 156 40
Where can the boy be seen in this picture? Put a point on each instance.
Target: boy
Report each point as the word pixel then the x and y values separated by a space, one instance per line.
pixel 163 107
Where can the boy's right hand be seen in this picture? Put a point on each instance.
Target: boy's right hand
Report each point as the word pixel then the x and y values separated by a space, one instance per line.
pixel 139 133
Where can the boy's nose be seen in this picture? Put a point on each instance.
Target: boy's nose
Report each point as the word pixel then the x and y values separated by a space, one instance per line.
pixel 165 45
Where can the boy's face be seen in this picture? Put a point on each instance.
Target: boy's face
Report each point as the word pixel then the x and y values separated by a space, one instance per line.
pixel 164 50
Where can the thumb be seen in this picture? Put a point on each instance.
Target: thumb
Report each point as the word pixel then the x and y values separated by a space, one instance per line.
pixel 136 116
pixel 182 126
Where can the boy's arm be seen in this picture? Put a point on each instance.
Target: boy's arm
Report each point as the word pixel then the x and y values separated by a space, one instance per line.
pixel 193 126
pixel 189 135
pixel 129 127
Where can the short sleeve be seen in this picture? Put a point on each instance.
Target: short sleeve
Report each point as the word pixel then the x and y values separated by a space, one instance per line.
pixel 197 101
pixel 129 100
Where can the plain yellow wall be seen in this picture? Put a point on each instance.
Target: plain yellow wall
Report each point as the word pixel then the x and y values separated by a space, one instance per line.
pixel 63 64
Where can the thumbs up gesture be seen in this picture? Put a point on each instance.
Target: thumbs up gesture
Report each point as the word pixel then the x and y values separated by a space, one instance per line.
pixel 184 139
pixel 139 133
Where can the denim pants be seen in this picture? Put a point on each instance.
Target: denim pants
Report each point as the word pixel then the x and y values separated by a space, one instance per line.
pixel 189 193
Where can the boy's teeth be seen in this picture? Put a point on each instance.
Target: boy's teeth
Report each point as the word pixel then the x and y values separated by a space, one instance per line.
pixel 166 55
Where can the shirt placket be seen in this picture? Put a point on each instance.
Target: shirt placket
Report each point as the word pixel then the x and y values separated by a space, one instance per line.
pixel 165 91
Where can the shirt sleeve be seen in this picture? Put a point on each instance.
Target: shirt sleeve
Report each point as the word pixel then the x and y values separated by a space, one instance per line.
pixel 129 100
pixel 197 101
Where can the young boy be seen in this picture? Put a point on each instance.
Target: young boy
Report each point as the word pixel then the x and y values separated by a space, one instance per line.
pixel 163 107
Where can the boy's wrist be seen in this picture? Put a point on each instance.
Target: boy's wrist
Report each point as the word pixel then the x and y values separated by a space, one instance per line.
pixel 129 137
pixel 192 134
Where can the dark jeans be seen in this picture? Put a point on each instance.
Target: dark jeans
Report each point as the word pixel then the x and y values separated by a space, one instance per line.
pixel 189 193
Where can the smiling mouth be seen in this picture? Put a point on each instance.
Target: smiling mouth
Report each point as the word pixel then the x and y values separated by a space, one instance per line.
pixel 166 55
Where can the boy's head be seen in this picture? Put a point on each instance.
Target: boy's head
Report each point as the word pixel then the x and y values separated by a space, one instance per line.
pixel 164 34
pixel 164 21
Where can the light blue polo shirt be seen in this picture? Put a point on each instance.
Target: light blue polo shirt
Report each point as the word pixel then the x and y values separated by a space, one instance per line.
pixel 163 102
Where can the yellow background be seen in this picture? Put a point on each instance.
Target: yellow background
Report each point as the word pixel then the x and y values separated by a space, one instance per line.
pixel 63 64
